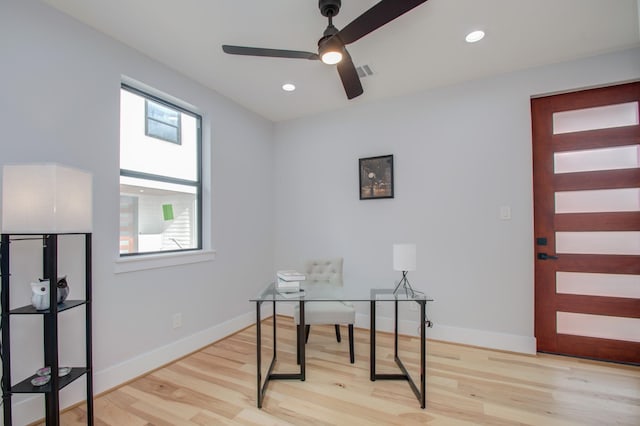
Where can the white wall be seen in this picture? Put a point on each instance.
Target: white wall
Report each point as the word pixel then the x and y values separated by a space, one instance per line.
pixel 60 103
pixel 460 153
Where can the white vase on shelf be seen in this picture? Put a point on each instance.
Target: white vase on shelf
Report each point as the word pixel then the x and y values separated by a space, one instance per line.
pixel 40 292
pixel 40 295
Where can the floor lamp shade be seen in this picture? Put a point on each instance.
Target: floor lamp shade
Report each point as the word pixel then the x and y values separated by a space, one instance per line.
pixel 46 198
pixel 404 257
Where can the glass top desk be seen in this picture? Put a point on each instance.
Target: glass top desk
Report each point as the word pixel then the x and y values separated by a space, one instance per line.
pixel 326 293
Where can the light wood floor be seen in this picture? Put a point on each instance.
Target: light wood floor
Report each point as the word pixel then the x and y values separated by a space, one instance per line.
pixel 217 385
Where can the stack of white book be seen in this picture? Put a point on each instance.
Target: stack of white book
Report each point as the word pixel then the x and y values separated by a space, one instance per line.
pixel 288 281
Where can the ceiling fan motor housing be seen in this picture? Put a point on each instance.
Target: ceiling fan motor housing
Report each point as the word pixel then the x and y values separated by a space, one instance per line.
pixel 329 8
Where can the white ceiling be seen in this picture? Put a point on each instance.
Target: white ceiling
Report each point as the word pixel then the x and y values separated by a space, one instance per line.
pixel 422 49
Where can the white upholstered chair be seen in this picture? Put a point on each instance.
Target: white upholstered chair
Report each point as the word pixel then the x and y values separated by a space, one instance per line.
pixel 327 272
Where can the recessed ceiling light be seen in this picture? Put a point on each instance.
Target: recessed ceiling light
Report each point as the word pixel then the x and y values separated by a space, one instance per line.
pixel 474 36
pixel 288 87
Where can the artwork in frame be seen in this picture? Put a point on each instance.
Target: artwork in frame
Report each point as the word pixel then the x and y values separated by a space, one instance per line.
pixel 376 177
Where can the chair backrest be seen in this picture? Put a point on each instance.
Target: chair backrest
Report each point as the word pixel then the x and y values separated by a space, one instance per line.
pixel 328 271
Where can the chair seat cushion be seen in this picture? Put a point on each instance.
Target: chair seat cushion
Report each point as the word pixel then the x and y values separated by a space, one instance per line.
pixel 326 313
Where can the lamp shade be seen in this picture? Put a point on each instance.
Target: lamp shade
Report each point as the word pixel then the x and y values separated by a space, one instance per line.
pixel 404 257
pixel 46 198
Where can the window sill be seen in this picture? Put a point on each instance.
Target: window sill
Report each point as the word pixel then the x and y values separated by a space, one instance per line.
pixel 161 260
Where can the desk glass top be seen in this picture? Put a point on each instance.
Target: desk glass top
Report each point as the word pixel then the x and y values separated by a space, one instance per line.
pixel 327 293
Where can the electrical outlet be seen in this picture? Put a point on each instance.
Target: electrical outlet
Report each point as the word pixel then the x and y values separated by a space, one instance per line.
pixel 177 320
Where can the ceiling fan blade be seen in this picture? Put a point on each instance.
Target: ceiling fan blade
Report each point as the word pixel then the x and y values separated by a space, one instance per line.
pixel 273 53
pixel 379 15
pixel 349 76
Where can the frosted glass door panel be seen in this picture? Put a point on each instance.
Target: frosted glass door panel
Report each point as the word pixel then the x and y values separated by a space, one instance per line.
pixel 624 242
pixel 600 326
pixel 604 285
pixel 601 200
pixel 621 157
pixel 605 117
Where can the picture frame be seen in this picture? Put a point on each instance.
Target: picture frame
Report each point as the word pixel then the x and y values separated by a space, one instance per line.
pixel 376 177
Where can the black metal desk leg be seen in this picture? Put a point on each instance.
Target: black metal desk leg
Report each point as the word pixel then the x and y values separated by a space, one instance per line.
pixel 395 338
pixel 274 331
pixel 259 353
pixel 423 355
pixel 372 342
pixel 301 343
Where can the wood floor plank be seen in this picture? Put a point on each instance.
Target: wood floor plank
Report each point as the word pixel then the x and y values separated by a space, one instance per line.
pixel 158 410
pixel 465 386
pixel 113 412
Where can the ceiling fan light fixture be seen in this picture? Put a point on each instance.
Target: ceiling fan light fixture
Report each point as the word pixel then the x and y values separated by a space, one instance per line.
pixel 330 49
pixel 331 57
pixel 474 36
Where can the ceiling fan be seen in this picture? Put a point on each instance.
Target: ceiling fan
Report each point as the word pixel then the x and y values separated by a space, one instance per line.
pixel 331 47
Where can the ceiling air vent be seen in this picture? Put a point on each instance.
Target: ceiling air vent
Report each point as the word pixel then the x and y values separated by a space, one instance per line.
pixel 364 71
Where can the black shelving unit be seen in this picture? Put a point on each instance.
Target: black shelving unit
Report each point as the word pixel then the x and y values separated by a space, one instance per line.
pixel 50 325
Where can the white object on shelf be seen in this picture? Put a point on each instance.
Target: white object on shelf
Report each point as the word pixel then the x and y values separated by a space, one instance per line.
pixel 40 295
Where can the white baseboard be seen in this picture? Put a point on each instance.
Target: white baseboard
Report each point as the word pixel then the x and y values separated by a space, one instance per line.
pixel 465 336
pixel 445 333
pixel 134 367
pixel 483 338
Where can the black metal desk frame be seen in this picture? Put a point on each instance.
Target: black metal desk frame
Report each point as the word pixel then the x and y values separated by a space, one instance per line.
pixel 421 392
pixel 262 387
pixel 270 375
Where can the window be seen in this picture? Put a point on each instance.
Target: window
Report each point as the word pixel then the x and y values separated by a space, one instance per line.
pixel 160 182
pixel 162 122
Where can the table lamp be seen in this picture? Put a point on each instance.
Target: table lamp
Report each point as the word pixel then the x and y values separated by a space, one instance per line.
pixel 46 199
pixel 404 259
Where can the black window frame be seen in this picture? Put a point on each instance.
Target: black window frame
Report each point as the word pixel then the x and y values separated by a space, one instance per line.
pixel 197 184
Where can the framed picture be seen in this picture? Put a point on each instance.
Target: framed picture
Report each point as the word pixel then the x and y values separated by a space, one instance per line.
pixel 376 177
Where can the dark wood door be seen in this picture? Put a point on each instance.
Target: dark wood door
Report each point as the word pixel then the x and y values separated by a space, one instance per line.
pixel 586 176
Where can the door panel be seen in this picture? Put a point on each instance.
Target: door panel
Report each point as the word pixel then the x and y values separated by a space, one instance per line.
pixel 595 118
pixel 599 200
pixel 586 163
pixel 601 326
pixel 588 160
pixel 593 284
pixel 616 242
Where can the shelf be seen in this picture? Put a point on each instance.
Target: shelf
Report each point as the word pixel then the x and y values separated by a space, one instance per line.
pixel 30 310
pixel 50 327
pixel 25 386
